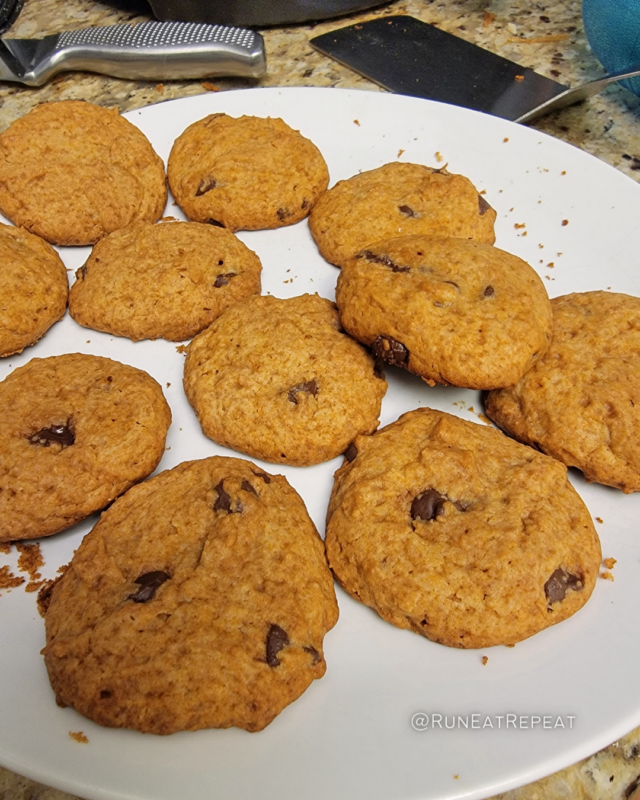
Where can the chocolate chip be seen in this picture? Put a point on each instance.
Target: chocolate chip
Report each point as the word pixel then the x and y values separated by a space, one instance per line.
pixel 559 584
pixel 391 351
pixel 206 185
pixel 351 452
pixel 248 487
pixel 428 505
pixel 223 280
pixel 483 206
pixel 150 582
pixel 105 694
pixel 214 222
pixel 283 213
pixel 305 204
pixel 223 502
pixel 276 640
pixel 409 212
pixel 489 292
pixel 631 788
pixel 384 260
pixel 55 434
pixel 315 655
pixel 310 387
pixel 266 478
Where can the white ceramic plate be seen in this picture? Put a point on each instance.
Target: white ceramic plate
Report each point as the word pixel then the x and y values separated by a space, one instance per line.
pixel 350 737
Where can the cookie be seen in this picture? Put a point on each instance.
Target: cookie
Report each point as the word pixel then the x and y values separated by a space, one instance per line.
pixel 279 380
pixel 199 600
pixel 453 311
pixel 581 402
pixel 245 173
pixel 450 529
pixel 77 431
pixel 398 200
pixel 72 172
pixel 169 280
pixel 33 289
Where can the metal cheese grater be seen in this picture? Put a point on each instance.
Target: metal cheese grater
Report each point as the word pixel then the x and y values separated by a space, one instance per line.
pixel 147 51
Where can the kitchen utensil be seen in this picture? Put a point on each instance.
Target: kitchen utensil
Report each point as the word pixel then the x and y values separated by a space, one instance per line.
pixel 408 56
pixel 147 51
pixel 256 12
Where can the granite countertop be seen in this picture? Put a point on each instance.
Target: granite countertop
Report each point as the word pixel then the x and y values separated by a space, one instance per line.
pixel 546 35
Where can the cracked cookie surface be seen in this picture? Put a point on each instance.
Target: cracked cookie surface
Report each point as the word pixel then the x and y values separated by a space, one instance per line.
pixel 581 402
pixel 453 530
pixel 199 600
pixel 33 289
pixel 169 280
pixel 78 431
pixel 394 200
pixel 279 380
pixel 72 171
pixel 453 311
pixel 245 173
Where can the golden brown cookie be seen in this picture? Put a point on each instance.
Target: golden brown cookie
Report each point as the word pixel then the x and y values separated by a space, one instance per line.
pixel 169 280
pixel 453 530
pixel 279 380
pixel 72 172
pixel 199 600
pixel 453 311
pixel 245 173
pixel 77 431
pixel 398 200
pixel 33 289
pixel 581 402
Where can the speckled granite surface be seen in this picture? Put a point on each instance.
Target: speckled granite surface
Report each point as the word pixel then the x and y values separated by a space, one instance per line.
pixel 544 35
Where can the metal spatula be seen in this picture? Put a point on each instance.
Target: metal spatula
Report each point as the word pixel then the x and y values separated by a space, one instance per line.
pixel 147 51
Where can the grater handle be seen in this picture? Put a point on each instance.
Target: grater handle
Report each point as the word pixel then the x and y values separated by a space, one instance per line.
pixel 151 51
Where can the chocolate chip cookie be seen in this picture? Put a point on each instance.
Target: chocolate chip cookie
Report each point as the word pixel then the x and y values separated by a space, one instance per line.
pixel 453 311
pixel 72 172
pixel 581 402
pixel 279 380
pixel 245 173
pixel 398 200
pixel 77 431
pixel 169 280
pixel 199 600
pixel 33 289
pixel 452 530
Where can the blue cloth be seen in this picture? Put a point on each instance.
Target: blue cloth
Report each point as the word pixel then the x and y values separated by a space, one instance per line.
pixel 613 31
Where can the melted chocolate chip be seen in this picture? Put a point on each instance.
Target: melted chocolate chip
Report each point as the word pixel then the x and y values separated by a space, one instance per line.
pixel 223 280
pixel 248 487
pixel 277 638
pixel 351 452
pixel 408 212
pixel 483 206
pixel 150 582
pixel 559 584
pixel 384 260
pixel 310 387
pixel 214 222
pixel 632 787
pixel 266 478
pixel 428 505
pixel 206 185
pixel 55 434
pixel 305 204
pixel 283 213
pixel 315 655
pixel 391 351
pixel 105 694
pixel 223 502
pixel 489 292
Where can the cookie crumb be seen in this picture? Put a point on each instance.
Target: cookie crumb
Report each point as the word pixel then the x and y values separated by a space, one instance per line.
pixel 5 547
pixel 8 580
pixel 30 559
pixel 599 519
pixel 79 737
pixel 439 157
pixel 485 659
pixel 400 152
pixel 607 576
pixel 356 122
pixel 565 222
pixel 211 87
pixel 610 563
pixel 181 348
